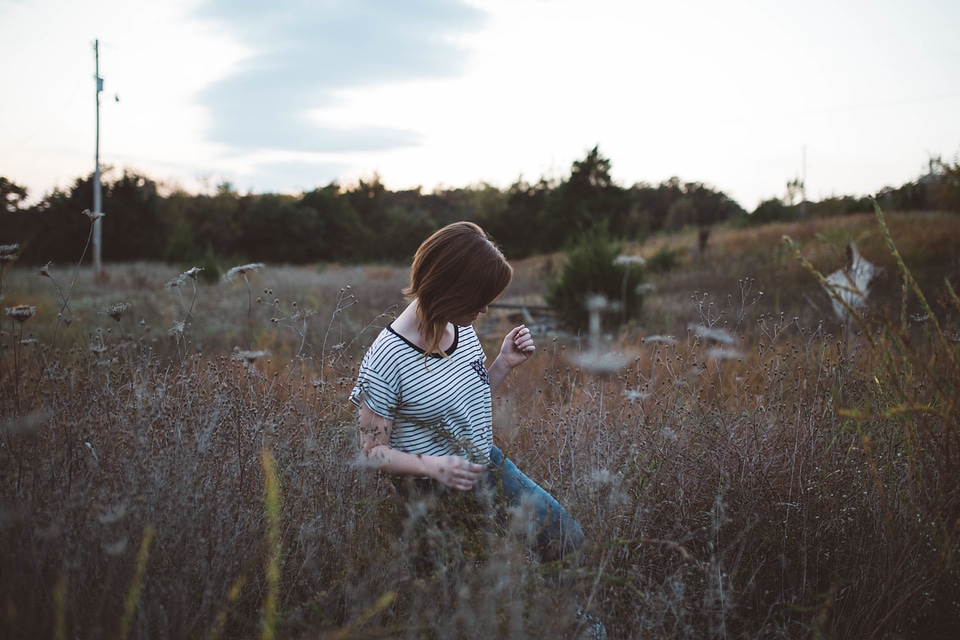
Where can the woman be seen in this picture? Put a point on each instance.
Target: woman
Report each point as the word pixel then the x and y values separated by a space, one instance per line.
pixel 424 391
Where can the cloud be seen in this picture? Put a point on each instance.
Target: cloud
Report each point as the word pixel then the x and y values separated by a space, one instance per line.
pixel 281 177
pixel 303 52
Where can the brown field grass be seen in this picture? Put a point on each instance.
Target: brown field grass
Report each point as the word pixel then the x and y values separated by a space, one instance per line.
pixel 765 473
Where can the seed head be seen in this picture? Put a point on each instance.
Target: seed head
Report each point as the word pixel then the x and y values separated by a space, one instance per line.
pixel 21 313
pixel 180 279
pixel 116 311
pixel 93 216
pixel 242 270
pixel 712 334
pixel 248 356
pixel 178 328
pixel 45 270
pixel 8 252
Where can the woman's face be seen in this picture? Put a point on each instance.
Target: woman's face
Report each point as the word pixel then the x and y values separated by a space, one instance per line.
pixel 469 318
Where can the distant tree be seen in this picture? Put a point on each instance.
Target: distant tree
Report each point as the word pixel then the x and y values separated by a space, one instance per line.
pixel 12 194
pixel 515 226
pixel 947 188
pixel 215 220
pixel 13 220
pixel 405 230
pixel 695 204
pixel 134 227
pixel 488 207
pixel 772 210
pixel 712 208
pixel 796 189
pixel 280 230
pixel 653 204
pixel 54 229
pixel 847 205
pixel 587 199
pixel 682 213
pixel 450 205
pixel 367 199
pixel 343 236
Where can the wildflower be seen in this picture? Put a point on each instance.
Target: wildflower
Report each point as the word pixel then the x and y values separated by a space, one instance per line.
pixel 114 548
pixel 634 394
pixel 668 434
pixel 242 270
pixel 192 272
pixel 93 216
pixel 21 313
pixel 626 260
pixel 603 476
pixel 45 270
pixel 719 353
pixel 302 315
pixel 113 515
pixel 249 356
pixel 646 288
pixel 8 252
pixel 116 311
pixel 178 328
pixel 601 362
pixel 709 333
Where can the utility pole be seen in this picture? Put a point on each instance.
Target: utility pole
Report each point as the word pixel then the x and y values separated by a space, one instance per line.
pixel 97 228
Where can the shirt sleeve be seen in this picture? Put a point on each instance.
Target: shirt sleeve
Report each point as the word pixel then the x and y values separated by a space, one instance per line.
pixel 380 393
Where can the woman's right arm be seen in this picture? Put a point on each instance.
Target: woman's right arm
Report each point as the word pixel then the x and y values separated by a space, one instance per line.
pixel 452 471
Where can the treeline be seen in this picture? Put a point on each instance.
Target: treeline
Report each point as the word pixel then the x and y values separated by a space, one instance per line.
pixel 367 223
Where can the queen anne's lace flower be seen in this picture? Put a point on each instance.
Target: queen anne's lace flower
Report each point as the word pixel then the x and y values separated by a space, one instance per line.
pixel 9 252
pixel 242 270
pixel 21 313
pixel 116 311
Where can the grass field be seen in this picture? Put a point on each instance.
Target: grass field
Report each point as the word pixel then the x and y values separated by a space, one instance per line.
pixel 186 466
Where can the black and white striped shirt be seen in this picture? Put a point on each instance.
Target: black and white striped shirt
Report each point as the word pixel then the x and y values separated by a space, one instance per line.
pixel 439 406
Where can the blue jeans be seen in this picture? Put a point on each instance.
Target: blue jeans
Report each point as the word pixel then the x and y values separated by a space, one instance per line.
pixel 557 534
pixel 550 529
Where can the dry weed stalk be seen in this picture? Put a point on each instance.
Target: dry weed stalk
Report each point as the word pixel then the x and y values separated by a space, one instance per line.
pixel 800 489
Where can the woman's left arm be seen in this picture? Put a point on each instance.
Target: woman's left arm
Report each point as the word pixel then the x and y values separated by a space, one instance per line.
pixel 516 349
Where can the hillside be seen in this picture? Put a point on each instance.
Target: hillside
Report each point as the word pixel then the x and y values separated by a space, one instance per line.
pixel 741 263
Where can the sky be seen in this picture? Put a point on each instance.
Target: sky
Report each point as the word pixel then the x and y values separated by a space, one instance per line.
pixel 291 95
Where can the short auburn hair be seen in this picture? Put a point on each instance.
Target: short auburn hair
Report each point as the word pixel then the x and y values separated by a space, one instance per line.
pixel 457 271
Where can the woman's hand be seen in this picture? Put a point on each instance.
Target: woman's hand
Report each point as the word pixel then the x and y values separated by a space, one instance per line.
pixel 517 347
pixel 451 471
pixel 454 471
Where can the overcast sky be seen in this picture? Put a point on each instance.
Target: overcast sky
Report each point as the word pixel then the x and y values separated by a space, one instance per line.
pixel 289 95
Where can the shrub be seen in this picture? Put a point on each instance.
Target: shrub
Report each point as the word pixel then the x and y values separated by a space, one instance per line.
pixel 592 269
pixel 665 259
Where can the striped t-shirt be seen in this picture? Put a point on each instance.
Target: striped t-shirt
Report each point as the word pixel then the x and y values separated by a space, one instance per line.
pixel 439 406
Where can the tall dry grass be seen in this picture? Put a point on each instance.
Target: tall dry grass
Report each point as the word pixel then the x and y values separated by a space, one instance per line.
pixel 757 475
